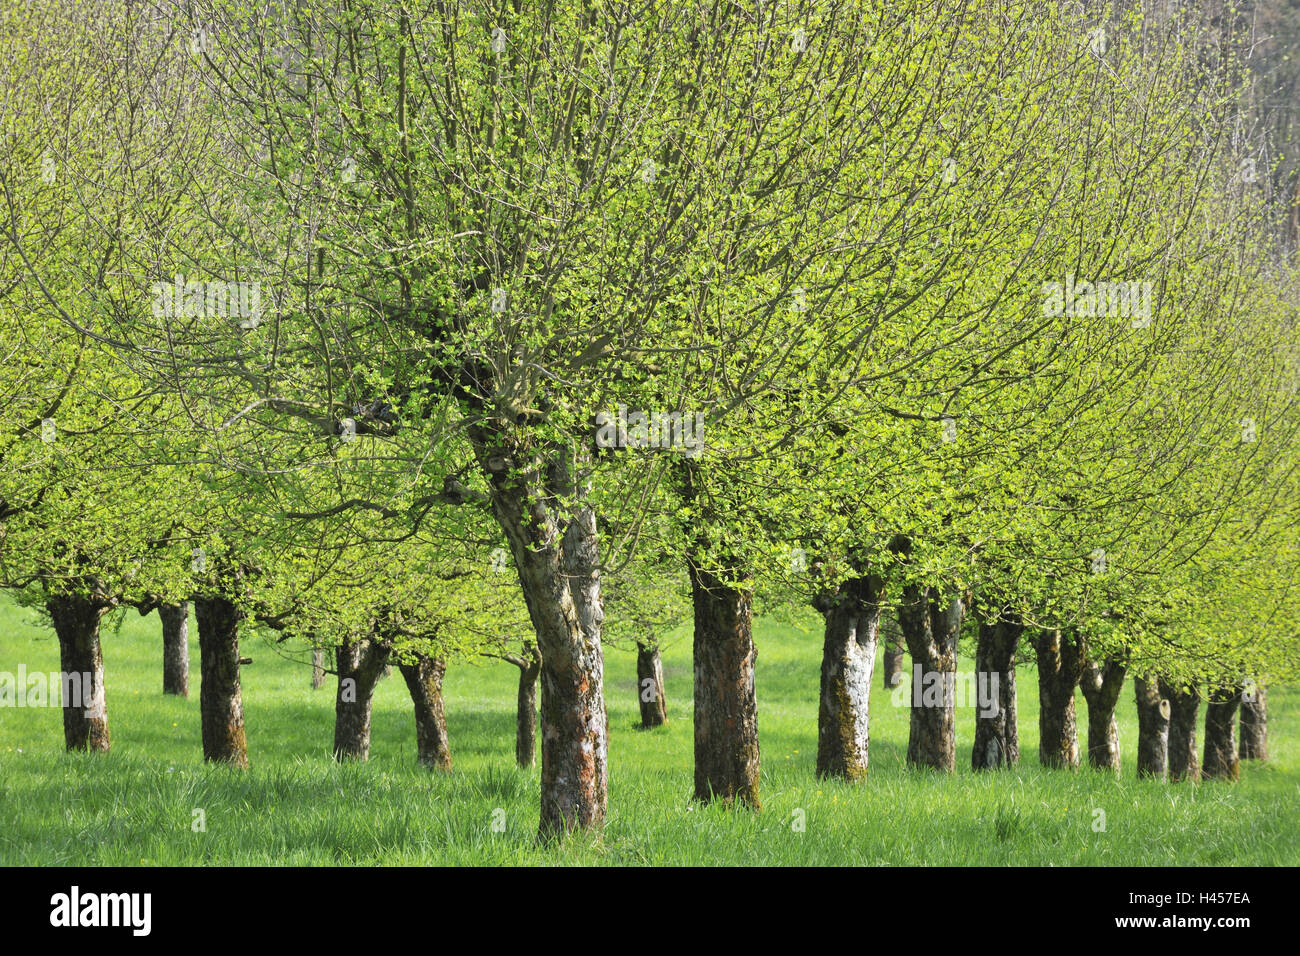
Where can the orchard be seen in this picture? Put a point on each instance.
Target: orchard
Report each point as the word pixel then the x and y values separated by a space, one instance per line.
pixel 574 379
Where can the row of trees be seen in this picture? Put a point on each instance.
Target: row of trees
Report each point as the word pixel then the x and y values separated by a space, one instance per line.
pixel 420 330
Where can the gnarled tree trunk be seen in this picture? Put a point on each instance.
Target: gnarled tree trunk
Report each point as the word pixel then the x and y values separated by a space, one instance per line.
pixel 650 685
pixel 556 555
pixel 575 733
pixel 1184 703
pixel 726 710
pixel 997 740
pixel 1221 760
pixel 1153 729
pixel 1101 685
pixel 81 662
pixel 848 657
pixel 360 665
pixel 423 676
pixel 891 640
pixel 1060 665
pixel 1254 723
pixel 221 704
pixel 176 647
pixel 931 626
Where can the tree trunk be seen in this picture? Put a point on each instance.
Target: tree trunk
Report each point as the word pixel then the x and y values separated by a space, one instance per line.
pixel 931 626
pixel 81 662
pixel 891 639
pixel 1221 760
pixel 360 665
pixel 1254 724
pixel 1060 666
pixel 650 686
pixel 997 740
pixel 726 710
pixel 559 571
pixel 1153 730
pixel 221 703
pixel 1101 686
pixel 1183 707
pixel 848 657
pixel 423 679
pixel 317 668
pixel 526 709
pixel 176 647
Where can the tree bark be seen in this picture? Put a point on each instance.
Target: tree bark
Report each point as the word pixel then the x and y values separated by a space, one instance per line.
pixel 650 686
pixel 221 703
pixel 360 665
pixel 891 639
pixel 556 555
pixel 1254 724
pixel 848 657
pixel 526 708
pixel 726 709
pixel 317 668
pixel 1060 666
pixel 930 627
pixel 1184 703
pixel 176 647
pixel 1153 730
pixel 423 678
pixel 997 740
pixel 1221 760
pixel 81 662
pixel 1101 685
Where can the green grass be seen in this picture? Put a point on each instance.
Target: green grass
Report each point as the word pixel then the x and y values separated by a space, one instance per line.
pixel 296 806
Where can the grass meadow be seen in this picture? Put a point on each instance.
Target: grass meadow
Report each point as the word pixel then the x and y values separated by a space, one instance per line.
pixel 137 805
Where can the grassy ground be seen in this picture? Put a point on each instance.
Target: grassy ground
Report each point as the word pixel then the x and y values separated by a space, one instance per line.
pixel 296 806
